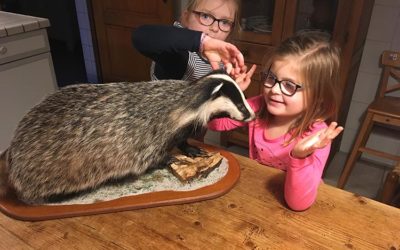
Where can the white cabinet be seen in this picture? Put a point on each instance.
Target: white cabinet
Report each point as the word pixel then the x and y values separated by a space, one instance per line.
pixel 26 69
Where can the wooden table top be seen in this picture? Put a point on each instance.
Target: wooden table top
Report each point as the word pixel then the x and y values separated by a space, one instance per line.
pixel 252 215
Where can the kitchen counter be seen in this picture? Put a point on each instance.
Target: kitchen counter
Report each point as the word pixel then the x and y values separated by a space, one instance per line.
pixel 12 23
pixel 26 69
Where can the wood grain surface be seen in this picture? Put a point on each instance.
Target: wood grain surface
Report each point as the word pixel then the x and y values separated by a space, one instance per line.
pixel 253 215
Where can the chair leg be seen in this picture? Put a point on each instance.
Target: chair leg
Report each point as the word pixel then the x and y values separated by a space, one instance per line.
pixel 391 185
pixel 361 141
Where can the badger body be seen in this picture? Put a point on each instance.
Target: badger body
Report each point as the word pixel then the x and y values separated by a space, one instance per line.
pixel 83 135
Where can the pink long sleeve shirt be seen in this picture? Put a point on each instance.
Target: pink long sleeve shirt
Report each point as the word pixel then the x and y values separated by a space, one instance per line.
pixel 303 176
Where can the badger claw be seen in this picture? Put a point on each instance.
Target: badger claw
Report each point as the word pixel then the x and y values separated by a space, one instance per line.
pixel 190 150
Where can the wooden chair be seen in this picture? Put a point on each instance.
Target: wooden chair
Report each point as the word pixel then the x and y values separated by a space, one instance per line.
pixel 391 187
pixel 384 110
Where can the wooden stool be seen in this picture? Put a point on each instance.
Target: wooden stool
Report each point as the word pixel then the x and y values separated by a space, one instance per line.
pixel 391 188
pixel 384 110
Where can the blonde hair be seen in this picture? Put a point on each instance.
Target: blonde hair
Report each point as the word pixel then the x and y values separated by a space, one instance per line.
pixel 192 5
pixel 319 62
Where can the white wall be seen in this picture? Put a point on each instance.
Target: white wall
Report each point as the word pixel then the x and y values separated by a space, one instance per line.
pixel 383 34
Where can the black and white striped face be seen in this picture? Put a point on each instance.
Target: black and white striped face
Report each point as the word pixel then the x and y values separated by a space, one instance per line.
pixel 227 100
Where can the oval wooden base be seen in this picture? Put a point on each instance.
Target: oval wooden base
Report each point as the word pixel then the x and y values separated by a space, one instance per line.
pixel 16 209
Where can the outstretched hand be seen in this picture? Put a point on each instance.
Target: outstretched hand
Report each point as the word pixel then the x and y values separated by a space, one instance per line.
pixel 322 138
pixel 243 79
pixel 217 51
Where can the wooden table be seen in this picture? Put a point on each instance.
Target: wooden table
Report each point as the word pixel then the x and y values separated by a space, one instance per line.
pixel 251 216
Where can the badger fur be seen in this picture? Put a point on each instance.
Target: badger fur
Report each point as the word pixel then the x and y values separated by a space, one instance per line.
pixel 83 135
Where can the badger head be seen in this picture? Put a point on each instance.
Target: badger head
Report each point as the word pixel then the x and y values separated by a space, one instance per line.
pixel 223 98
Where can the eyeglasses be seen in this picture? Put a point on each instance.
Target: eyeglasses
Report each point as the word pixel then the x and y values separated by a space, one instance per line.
pixel 288 88
pixel 208 20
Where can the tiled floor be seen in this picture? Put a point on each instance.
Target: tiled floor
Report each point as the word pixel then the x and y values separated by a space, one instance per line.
pixel 366 179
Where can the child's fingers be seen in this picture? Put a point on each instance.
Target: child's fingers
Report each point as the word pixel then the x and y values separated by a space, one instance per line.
pixel 232 57
pixel 238 56
pixel 333 130
pixel 236 68
pixel 215 65
pixel 318 140
pixel 244 82
pixel 330 133
pixel 242 69
pixel 228 67
pixel 251 71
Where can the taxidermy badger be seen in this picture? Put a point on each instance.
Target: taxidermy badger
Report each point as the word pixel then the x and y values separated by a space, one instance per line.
pixel 83 135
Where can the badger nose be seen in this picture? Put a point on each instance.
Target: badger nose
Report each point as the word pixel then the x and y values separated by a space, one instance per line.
pixel 250 117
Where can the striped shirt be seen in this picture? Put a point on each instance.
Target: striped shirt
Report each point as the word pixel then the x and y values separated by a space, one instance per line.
pixel 196 66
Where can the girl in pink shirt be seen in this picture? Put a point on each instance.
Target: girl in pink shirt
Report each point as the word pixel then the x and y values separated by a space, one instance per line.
pixel 299 99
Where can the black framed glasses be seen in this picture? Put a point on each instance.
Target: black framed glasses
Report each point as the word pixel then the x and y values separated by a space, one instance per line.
pixel 224 25
pixel 287 87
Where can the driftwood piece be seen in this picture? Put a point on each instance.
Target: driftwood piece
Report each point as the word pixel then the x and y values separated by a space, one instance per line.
pixel 186 168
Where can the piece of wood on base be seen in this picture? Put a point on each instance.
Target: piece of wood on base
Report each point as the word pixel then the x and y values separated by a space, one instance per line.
pixel 187 168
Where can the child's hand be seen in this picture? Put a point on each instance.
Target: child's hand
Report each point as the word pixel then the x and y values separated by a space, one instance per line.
pixel 217 51
pixel 243 79
pixel 307 145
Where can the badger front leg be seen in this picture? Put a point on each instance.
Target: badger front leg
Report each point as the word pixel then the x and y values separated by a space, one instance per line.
pixel 181 141
pixel 190 150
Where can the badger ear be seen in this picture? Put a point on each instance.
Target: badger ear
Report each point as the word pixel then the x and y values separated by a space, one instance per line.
pixel 217 88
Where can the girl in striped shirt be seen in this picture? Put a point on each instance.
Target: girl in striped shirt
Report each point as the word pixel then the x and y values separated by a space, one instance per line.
pixel 193 47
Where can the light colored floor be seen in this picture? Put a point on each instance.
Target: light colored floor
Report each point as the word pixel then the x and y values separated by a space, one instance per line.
pixel 366 179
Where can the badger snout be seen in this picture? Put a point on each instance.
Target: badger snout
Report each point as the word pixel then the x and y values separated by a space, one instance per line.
pixel 247 115
pixel 250 117
pixel 239 111
pixel 242 113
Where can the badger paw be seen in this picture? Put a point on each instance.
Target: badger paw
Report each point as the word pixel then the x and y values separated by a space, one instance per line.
pixel 190 150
